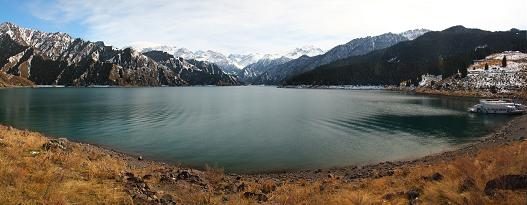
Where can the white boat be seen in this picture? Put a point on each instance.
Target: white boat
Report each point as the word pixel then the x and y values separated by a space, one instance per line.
pixel 496 106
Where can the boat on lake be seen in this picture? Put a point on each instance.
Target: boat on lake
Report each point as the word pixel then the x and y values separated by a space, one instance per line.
pixel 498 106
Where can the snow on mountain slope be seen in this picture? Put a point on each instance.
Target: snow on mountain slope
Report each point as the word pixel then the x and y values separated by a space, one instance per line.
pixel 306 50
pixel 58 59
pixel 233 63
pixel 413 34
pixel 490 74
pixel 355 47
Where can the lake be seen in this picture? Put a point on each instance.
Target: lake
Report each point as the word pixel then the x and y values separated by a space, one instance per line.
pixel 251 128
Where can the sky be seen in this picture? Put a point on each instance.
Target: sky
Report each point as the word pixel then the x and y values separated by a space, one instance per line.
pixel 249 26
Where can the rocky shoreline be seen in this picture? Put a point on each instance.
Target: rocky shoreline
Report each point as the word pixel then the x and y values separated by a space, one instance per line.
pixel 520 95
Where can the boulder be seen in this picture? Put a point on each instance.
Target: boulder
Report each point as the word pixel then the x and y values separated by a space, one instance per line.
pixel 257 196
pixel 54 144
pixel 507 182
pixel 413 195
pixel 434 177
pixel 467 185
pixel 167 199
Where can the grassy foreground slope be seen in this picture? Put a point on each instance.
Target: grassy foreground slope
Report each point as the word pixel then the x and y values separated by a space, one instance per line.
pixel 35 169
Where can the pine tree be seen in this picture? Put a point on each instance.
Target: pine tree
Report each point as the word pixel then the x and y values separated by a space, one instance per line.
pixel 504 61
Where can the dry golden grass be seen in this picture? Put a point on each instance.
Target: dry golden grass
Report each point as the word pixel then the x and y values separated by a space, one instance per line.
pixel 54 177
pixel 84 175
pixel 487 165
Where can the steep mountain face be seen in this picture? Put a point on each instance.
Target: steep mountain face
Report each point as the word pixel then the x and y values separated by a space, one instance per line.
pixel 234 63
pixel 438 53
pixel 58 59
pixel 355 47
pixel 250 72
pixel 192 71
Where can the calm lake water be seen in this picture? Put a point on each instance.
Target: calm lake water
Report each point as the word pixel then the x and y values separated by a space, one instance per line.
pixel 250 129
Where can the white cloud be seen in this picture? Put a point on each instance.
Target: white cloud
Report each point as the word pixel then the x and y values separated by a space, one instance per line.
pixel 271 25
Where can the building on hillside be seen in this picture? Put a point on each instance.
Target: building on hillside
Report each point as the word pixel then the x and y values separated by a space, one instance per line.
pixel 428 80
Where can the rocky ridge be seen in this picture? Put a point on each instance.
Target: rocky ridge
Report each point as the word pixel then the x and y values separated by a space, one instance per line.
pixel 58 59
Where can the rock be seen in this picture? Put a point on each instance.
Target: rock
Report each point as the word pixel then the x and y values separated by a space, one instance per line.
pixel 167 199
pixel 167 178
pixel 147 177
pixel 257 196
pixel 192 178
pixel 412 195
pixel 34 153
pixel 435 177
pixel 507 182
pixel 230 188
pixel 331 176
pixel 242 187
pixel 519 138
pixel 54 144
pixel 269 187
pixel 140 158
pixel 138 189
pixel 388 196
pixel 467 185
pixel 129 174
pixel 183 175
pixel 140 196
pixel 324 186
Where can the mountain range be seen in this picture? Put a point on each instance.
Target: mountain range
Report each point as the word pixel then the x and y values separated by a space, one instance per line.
pixel 29 57
pixel 274 68
pixel 233 63
pixel 58 59
pixel 446 53
pixel 360 46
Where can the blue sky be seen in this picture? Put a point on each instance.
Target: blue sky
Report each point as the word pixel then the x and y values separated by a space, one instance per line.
pixel 265 26
pixel 20 12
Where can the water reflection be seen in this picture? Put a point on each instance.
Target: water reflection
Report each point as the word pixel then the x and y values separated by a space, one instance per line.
pixel 250 128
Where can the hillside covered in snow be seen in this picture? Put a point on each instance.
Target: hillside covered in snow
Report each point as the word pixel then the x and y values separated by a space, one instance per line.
pixel 499 72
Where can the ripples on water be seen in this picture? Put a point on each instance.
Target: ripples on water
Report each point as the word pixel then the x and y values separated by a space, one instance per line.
pixel 250 129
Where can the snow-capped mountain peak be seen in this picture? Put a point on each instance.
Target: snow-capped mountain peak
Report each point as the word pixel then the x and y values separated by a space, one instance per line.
pixel 233 62
pixel 305 50
pixel 415 33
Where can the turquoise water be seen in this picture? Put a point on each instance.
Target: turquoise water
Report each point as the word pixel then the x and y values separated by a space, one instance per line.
pixel 250 129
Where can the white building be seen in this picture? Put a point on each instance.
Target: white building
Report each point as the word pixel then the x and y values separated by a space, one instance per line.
pixel 427 80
